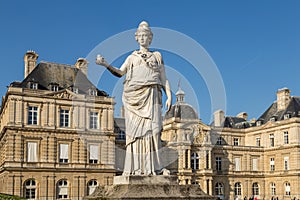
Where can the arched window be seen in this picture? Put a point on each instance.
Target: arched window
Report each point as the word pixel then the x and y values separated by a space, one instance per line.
pixel 255 189
pixel 62 189
pixel 195 161
pixel 219 189
pixel 92 184
pixel 287 189
pixel 30 189
pixel 237 189
pixel 273 189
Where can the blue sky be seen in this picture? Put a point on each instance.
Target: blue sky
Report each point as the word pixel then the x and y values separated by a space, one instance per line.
pixel 254 44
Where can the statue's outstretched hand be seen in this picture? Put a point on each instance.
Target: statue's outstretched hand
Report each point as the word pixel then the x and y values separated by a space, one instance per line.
pixel 101 61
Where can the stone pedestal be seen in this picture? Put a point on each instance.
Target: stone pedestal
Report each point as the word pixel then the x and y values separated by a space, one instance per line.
pixel 148 187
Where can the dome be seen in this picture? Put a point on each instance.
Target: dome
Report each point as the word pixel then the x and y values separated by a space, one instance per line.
pixel 182 111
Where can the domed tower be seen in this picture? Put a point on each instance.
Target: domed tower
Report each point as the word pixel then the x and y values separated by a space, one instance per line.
pixel 181 110
pixel 187 141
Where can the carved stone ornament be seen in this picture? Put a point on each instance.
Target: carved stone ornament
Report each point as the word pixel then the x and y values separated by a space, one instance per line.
pixel 64 95
pixel 198 134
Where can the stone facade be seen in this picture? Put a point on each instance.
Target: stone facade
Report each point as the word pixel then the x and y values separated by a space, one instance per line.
pixel 57 139
pixel 235 158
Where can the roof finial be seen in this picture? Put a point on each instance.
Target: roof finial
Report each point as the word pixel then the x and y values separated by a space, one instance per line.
pixel 180 93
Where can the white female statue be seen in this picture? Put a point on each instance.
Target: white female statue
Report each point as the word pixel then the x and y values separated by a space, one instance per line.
pixel 142 97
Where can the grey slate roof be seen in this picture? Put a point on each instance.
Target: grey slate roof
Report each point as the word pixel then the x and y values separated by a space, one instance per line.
pixel 181 110
pixel 293 109
pixel 236 122
pixel 66 76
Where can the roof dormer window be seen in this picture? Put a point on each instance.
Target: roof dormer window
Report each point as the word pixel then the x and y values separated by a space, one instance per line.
pixel 272 119
pixel 93 92
pixel 53 87
pixel 33 85
pixel 75 90
pixel 287 116
pixel 258 123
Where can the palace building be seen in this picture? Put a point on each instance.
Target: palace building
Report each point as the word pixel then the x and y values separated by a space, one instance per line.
pixel 59 140
pixel 57 136
pixel 234 158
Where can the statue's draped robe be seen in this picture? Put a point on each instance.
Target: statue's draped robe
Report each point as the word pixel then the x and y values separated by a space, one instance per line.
pixel 143 120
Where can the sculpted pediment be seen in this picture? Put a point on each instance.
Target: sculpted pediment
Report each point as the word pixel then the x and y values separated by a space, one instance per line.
pixel 65 94
pixel 200 133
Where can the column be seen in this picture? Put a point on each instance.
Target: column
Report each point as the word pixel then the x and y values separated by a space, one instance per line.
pixel 44 188
pixel 111 151
pixel 75 117
pixel 210 186
pixel 51 115
pixel 246 189
pixel 184 159
pixel 104 119
pixel 110 119
pixel 82 117
pixel 209 160
pixel 45 114
pixel 12 111
pixel 19 112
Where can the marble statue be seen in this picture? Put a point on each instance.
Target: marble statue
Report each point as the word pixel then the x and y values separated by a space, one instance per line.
pixel 142 99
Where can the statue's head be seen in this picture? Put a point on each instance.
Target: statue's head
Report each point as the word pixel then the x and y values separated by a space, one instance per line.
pixel 144 28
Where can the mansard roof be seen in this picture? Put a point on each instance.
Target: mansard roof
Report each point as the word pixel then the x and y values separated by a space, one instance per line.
pixel 293 110
pixel 236 122
pixel 62 75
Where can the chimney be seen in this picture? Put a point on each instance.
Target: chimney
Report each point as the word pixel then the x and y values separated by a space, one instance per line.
pixel 82 64
pixel 283 98
pixel 243 115
pixel 30 59
pixel 219 118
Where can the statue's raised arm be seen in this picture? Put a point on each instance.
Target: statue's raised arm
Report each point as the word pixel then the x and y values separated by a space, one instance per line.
pixel 115 71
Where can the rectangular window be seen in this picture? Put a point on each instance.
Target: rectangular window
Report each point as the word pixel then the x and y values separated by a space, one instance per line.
pixel 236 141
pixel 287 116
pixel 64 118
pixel 254 164
pixel 122 135
pixel 273 189
pixel 219 141
pixel 94 154
pixel 272 164
pixel 237 163
pixel 54 88
pixel 286 137
pixel 286 163
pixel 271 140
pixel 63 153
pixel 218 163
pixel 32 115
pixel 207 159
pixel 93 92
pixel 93 120
pixel 75 90
pixel 258 142
pixel 32 155
pixel 33 86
